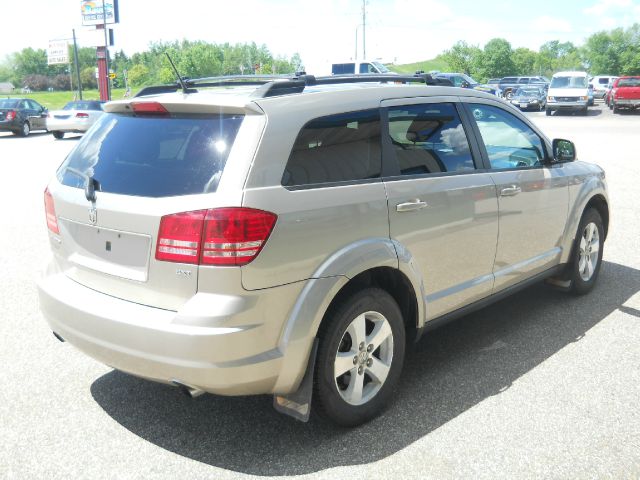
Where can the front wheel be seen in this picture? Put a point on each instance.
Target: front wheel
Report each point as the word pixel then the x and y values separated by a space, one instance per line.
pixel 360 357
pixel 587 253
pixel 547 112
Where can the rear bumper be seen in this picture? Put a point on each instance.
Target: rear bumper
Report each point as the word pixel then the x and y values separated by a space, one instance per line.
pixel 67 125
pixel 9 126
pixel 631 103
pixel 168 346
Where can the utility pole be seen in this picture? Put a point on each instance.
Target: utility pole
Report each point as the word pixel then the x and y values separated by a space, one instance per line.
pixel 106 49
pixel 364 29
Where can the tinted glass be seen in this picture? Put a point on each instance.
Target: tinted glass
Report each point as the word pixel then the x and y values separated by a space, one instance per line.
pixel 629 82
pixel 83 105
pixel 338 148
pixel 153 157
pixel 8 103
pixel 510 143
pixel 569 82
pixel 343 68
pixel 429 138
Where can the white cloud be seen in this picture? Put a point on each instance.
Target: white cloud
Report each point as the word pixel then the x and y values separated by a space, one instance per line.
pixel 605 6
pixel 551 25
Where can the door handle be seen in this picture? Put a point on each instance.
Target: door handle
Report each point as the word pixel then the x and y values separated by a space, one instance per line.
pixel 411 205
pixel 510 191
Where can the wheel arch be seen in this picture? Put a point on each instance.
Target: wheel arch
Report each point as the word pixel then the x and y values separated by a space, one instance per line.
pixel 374 262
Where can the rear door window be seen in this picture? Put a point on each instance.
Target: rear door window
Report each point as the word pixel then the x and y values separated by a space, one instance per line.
pixel 343 68
pixel 335 149
pixel 151 156
pixel 429 138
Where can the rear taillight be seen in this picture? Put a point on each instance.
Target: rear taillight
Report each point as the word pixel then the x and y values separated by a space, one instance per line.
pixel 221 236
pixel 11 114
pixel 52 220
pixel 235 236
pixel 82 115
pixel 180 237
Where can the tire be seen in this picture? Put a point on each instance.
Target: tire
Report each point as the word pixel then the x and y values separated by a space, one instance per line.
pixel 547 112
pixel 58 135
pixel 370 315
pixel 585 111
pixel 25 130
pixel 587 253
pixel 615 109
pixel 508 94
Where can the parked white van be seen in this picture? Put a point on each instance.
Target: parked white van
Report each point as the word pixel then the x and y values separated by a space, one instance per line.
pixel 568 91
pixel 600 83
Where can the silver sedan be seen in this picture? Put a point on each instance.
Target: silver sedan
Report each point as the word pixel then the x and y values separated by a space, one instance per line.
pixel 76 116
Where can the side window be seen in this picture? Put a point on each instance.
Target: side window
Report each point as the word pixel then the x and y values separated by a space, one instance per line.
pixel 457 81
pixel 523 80
pixel 510 143
pixel 367 68
pixel 338 148
pixel 343 68
pixel 429 138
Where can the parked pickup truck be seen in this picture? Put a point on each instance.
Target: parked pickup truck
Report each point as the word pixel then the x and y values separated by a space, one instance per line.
pixel 625 94
pixel 509 85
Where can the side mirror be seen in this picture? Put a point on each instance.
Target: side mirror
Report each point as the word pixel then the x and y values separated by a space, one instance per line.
pixel 563 150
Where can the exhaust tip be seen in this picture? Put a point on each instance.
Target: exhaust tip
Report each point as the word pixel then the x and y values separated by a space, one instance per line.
pixel 188 390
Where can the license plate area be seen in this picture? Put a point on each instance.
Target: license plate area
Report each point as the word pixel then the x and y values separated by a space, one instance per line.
pixel 523 105
pixel 113 252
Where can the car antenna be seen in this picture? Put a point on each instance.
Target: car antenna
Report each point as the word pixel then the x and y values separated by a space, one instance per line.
pixel 180 79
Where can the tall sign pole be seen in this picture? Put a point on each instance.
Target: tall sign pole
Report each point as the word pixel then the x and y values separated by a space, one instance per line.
pixel 364 29
pixel 77 62
pixel 99 17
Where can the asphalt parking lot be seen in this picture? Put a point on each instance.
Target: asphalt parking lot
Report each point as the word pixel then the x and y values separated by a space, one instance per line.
pixel 540 385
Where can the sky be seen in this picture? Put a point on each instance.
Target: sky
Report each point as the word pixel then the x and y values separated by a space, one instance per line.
pixel 322 31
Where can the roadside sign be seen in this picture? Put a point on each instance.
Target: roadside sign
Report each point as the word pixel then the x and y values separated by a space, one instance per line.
pixel 112 76
pixel 58 52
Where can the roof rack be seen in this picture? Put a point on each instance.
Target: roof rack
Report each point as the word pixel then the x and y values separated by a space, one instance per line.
pixel 275 85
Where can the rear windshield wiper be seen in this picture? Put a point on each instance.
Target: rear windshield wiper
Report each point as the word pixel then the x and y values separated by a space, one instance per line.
pixel 91 185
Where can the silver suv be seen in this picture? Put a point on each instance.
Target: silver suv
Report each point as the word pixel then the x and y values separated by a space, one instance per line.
pixel 293 238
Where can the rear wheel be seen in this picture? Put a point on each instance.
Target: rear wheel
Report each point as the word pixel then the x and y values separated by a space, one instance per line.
pixel 547 112
pixel 587 253
pixel 24 131
pixel 615 109
pixel 58 135
pixel 360 357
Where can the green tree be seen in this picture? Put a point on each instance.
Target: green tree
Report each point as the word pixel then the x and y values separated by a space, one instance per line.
pixel 496 59
pixel 138 75
pixel 462 57
pixel 524 61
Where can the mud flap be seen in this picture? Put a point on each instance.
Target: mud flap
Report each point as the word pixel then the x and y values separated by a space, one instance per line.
pixel 298 404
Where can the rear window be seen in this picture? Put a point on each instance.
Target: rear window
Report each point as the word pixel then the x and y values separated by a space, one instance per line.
pixel 8 103
pixel 629 82
pixel 343 68
pixel 338 148
pixel 83 106
pixel 151 156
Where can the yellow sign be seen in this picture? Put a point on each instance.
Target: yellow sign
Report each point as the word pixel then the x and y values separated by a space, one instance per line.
pixel 112 76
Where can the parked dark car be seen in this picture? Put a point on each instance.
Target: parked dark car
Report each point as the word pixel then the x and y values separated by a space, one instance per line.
pixel 22 115
pixel 530 97
pixel 509 85
pixel 465 81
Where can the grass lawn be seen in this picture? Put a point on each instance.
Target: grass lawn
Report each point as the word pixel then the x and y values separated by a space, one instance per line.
pixel 426 66
pixel 57 100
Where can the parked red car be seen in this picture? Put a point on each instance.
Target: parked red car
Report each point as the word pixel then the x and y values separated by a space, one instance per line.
pixel 625 94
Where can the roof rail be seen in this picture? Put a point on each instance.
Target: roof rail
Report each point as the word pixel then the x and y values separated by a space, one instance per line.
pixel 275 85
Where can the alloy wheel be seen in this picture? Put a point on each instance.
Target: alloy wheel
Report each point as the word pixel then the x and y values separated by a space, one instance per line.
pixel 364 358
pixel 589 251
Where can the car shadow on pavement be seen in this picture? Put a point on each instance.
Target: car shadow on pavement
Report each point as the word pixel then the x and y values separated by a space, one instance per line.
pixel 592 112
pixel 10 135
pixel 449 371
